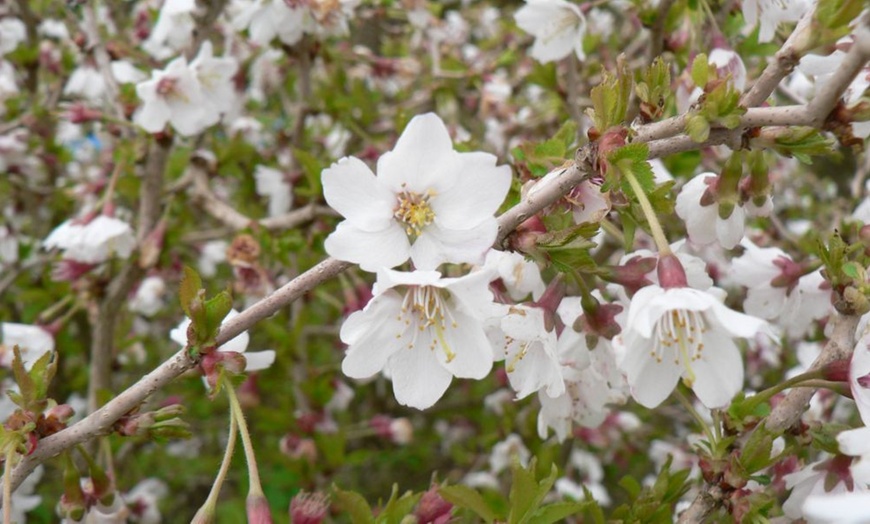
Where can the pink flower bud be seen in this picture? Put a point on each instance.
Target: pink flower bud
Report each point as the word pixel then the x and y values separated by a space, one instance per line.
pixel 308 508
pixel 432 508
pixel 671 272
pixel 258 509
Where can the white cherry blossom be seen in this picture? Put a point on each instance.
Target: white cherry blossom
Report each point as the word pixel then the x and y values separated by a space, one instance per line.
pixel 703 222
pixel 836 476
pixel 93 241
pixel 215 75
pixel 520 276
pixel 32 342
pixel 768 14
pixel 842 508
pixel 592 379
pixel 148 299
pixel 173 30
pixel 428 202
pixel 175 96
pixel 12 33
pixel 422 330
pixel 684 332
pixel 558 27
pixel 796 300
pixel 859 376
pixel 272 184
pixel 530 352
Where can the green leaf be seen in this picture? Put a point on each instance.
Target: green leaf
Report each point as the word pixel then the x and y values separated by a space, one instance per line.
pixel 397 507
pixel 610 98
pixel 527 492
pixel 216 309
pixel 697 128
pixel 42 373
pixel 22 378
pixel 701 70
pixel 831 20
pixel 468 498
pixel 557 512
pixel 354 505
pixel 189 288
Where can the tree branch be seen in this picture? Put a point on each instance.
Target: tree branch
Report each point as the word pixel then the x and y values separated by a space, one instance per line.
pixel 230 217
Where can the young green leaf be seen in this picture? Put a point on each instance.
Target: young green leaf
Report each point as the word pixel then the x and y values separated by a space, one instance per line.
pixel 468 498
pixel 189 288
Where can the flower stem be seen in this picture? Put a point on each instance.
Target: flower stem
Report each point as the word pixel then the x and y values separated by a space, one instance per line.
pixel 250 458
pixel 654 225
pixel 210 502
pixel 808 379
pixel 7 486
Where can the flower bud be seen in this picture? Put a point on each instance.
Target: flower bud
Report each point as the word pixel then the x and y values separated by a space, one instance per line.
pixel 258 509
pixel 432 508
pixel 632 274
pixel 308 508
pixel 671 272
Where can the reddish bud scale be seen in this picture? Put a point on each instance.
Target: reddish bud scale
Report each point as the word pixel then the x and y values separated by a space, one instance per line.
pixel 609 142
pixel 632 274
pixel 432 509
pixel 837 371
pixel 308 508
pixel 671 272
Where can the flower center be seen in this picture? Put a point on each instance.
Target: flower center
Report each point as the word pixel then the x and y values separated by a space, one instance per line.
pixel 414 211
pixel 166 86
pixel 426 312
pixel 683 331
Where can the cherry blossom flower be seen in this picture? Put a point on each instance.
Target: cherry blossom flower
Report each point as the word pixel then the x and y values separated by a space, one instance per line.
pixel 592 379
pixel 215 75
pixel 768 14
pixel 289 20
pixel 173 95
pixel 842 508
pixel 148 299
pixel 267 19
pixel 144 500
pixel 519 276
pixel 821 68
pixel 272 184
pixel 86 81
pixel 428 202
pixel 703 222
pixel 12 33
pixel 92 241
pixel 777 288
pixel 422 330
pixel 859 376
pixel 558 27
pixel 529 350
pixel 213 253
pixel 256 360
pixel 841 474
pixel 683 332
pixel 173 30
pixel 506 451
pixel 588 467
pixel 32 341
